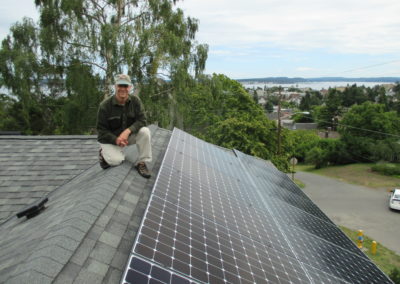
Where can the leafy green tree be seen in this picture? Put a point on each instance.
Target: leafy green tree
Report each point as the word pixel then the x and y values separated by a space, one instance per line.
pixel 382 98
pixel 286 104
pixel 305 102
pixel 273 99
pixel 385 150
pixel 322 116
pixel 396 99
pixel 363 126
pixel 333 103
pixel 269 107
pixel 83 97
pixel 143 37
pixel 21 73
pixel 372 94
pixel 353 95
pixel 303 118
pixel 219 110
pixel 7 120
pixel 303 141
pixel 317 157
pixel 245 134
pixel 255 96
pixel 311 99
pixel 94 40
pixel 335 151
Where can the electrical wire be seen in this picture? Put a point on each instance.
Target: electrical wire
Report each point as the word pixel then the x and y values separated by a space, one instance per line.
pixel 349 126
pixel 349 157
pixel 370 66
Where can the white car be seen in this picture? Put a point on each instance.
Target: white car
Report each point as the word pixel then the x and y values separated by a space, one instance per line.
pixel 394 201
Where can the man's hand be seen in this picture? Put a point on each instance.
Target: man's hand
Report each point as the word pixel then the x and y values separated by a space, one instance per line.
pixel 121 142
pixel 122 139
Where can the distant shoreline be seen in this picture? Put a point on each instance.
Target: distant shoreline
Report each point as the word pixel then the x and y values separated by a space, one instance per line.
pixel 287 80
pixel 318 86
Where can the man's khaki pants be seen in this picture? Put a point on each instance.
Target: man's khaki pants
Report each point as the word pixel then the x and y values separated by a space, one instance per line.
pixel 114 155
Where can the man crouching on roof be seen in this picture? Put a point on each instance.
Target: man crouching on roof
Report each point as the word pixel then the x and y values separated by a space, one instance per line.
pixel 121 121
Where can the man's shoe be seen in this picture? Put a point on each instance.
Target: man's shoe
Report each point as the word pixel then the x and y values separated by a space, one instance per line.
pixel 143 170
pixel 103 164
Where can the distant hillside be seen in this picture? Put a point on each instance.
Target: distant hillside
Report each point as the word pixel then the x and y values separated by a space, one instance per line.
pixel 287 80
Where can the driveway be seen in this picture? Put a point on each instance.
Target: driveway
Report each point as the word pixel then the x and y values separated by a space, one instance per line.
pixel 355 207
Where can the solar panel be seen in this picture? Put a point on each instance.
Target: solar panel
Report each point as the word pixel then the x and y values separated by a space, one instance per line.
pixel 217 216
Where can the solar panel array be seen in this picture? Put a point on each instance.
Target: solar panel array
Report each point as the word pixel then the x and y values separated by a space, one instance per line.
pixel 218 216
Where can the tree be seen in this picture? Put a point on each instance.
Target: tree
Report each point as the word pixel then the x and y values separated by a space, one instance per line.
pixel 353 95
pixel 322 116
pixel 269 107
pixel 302 118
pixel 364 126
pixel 21 73
pixel 333 103
pixel 83 97
pixel 255 96
pixel 311 99
pixel 220 111
pixel 303 141
pixel 396 99
pixel 7 120
pixel 317 157
pixel 96 39
pixel 305 103
pixel 112 36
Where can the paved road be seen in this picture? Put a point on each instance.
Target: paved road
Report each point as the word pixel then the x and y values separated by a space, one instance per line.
pixel 355 207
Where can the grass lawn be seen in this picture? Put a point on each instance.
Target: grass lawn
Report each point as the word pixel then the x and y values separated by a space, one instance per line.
pixel 384 258
pixel 360 174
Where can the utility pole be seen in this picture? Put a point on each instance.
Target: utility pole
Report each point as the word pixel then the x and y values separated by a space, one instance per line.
pixel 279 121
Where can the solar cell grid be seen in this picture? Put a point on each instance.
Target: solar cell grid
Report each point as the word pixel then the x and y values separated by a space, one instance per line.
pixel 222 206
pixel 144 272
pixel 197 245
pixel 304 221
pixel 190 147
pixel 280 186
pixel 319 276
pixel 210 220
pixel 331 258
pixel 270 189
pixel 212 159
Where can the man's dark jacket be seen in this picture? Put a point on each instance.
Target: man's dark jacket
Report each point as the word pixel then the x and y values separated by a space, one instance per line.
pixel 113 118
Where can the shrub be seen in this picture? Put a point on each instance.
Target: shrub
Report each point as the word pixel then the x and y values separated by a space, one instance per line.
pixel 386 169
pixel 395 275
pixel 318 157
pixel 302 142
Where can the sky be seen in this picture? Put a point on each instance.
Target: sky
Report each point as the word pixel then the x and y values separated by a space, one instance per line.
pixel 289 38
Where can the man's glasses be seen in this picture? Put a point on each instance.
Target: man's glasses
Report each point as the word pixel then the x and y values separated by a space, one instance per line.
pixel 123 86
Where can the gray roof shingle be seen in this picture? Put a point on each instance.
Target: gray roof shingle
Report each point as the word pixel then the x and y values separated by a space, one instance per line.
pixel 86 232
pixel 33 166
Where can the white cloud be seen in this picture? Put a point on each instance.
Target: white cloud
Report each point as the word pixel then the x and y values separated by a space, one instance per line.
pixel 346 26
pixel 301 69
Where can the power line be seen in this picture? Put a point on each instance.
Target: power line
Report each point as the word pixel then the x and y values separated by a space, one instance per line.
pixel 359 128
pixel 370 66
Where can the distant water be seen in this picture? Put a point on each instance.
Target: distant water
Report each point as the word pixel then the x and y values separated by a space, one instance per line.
pixel 314 85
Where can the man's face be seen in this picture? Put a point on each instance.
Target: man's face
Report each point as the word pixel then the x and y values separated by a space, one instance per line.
pixel 122 93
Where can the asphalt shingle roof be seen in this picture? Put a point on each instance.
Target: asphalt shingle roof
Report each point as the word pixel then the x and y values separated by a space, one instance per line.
pixel 86 232
pixel 31 167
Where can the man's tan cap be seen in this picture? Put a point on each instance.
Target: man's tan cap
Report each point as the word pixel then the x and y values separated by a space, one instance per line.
pixel 122 79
